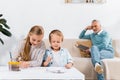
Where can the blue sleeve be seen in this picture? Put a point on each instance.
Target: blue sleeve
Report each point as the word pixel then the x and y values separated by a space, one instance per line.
pixel 47 53
pixel 83 36
pixel 45 56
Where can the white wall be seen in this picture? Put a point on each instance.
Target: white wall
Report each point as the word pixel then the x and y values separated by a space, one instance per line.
pixel 55 14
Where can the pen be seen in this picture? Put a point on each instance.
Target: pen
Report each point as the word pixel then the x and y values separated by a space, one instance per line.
pixel 10 56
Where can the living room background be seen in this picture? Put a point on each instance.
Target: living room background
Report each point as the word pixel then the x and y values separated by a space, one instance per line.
pixel 71 19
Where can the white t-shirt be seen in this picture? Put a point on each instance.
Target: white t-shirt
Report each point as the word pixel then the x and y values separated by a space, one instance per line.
pixel 56 59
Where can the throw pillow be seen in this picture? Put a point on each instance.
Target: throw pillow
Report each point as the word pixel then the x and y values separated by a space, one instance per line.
pixel 83 44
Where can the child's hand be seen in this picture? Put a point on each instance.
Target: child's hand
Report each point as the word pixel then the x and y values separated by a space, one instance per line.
pixel 69 65
pixel 24 64
pixel 48 60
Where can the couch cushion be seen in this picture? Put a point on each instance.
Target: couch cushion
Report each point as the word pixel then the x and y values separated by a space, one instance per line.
pixel 116 46
pixel 111 67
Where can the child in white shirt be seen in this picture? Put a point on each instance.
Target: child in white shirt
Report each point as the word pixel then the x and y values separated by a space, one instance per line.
pixel 57 56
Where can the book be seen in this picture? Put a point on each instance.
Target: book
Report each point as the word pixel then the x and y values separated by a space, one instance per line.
pixel 82 47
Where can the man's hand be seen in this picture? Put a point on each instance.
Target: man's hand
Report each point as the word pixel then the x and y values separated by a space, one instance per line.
pixel 87 51
pixel 88 28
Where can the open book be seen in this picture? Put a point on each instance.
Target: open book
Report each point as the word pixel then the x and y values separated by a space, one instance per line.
pixel 82 47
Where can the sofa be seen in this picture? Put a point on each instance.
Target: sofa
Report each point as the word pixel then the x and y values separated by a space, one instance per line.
pixel 84 65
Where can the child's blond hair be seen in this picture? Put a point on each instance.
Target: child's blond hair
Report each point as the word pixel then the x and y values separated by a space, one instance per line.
pixel 37 30
pixel 56 32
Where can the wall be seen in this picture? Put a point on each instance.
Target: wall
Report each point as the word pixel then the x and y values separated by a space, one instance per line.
pixel 71 19
pixel 55 14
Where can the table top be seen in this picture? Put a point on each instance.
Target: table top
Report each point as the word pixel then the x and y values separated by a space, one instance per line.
pixel 41 73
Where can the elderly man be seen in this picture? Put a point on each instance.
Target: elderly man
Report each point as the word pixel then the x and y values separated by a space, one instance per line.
pixel 101 46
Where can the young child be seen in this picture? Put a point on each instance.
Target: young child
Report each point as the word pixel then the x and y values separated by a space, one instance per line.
pixel 30 51
pixel 57 56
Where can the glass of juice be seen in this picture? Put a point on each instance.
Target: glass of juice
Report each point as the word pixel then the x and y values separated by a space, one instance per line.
pixel 14 65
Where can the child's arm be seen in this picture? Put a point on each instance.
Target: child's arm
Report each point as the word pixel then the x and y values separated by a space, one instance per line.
pixel 69 65
pixel 24 64
pixel 47 61
pixel 38 55
pixel 69 60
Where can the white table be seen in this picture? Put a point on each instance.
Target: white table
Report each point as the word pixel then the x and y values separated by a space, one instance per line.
pixel 41 73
